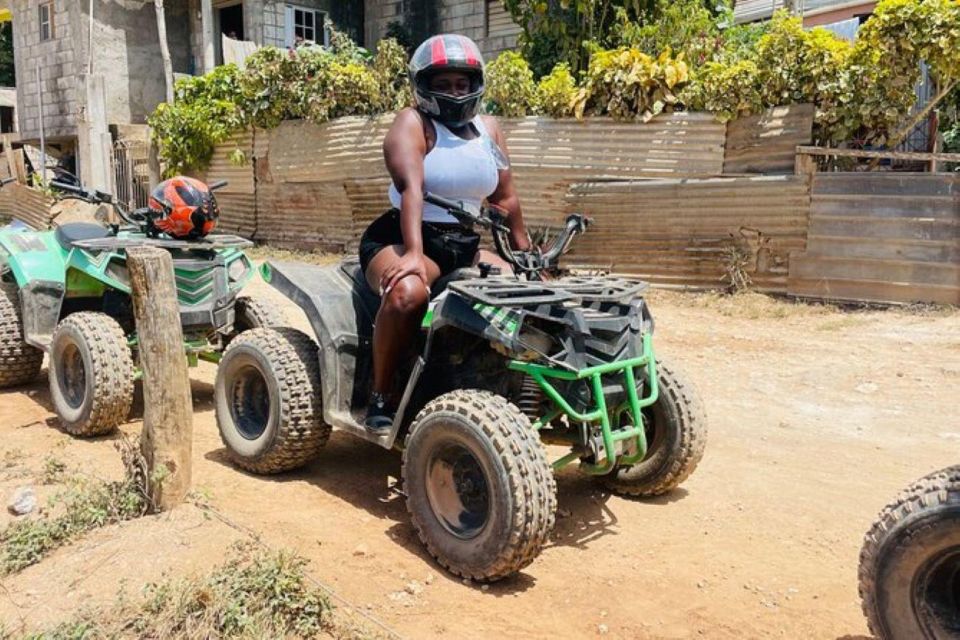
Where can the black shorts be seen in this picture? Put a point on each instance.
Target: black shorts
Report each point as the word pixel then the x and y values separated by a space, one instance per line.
pixel 449 245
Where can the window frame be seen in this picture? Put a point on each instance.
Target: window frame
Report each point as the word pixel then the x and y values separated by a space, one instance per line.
pixel 48 8
pixel 291 26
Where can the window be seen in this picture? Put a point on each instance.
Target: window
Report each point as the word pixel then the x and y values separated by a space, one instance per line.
pixel 46 21
pixel 306 25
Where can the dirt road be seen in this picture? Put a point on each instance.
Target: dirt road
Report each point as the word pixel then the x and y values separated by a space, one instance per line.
pixel 817 418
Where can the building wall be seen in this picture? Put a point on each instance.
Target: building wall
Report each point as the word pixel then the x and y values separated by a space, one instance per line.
pixel 56 60
pixel 466 17
pixel 836 15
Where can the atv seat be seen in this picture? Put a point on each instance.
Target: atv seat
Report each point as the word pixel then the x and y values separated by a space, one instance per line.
pixel 72 232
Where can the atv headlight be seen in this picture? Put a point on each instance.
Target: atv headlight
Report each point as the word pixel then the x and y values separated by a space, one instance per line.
pixel 238 269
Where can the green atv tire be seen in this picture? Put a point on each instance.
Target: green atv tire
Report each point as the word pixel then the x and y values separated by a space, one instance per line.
pixel 268 396
pixel 91 374
pixel 19 362
pixel 910 562
pixel 676 428
pixel 480 491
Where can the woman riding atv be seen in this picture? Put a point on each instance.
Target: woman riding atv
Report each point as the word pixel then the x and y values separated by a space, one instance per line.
pixel 444 147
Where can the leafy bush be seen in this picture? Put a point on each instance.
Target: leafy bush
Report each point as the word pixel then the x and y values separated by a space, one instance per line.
pixel 511 91
pixel 313 82
pixel 557 91
pixel 630 85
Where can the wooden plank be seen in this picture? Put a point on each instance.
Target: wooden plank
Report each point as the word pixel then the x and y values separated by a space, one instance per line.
pixel 872 291
pixel 891 155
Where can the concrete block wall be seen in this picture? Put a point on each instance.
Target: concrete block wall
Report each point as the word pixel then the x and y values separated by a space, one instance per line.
pixel 467 17
pixel 56 60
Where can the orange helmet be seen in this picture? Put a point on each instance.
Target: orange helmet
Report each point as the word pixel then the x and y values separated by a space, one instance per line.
pixel 186 208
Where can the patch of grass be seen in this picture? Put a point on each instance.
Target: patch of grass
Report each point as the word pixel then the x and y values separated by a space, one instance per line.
pixel 84 505
pixel 843 322
pixel 745 304
pixel 54 470
pixel 255 594
pixel 12 458
pixel 266 252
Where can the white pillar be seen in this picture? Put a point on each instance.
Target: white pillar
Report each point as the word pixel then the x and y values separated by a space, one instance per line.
pixel 206 21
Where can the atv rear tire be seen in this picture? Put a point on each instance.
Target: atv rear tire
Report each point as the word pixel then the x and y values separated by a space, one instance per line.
pixel 676 429
pixel 267 395
pixel 19 362
pixel 480 491
pixel 910 562
pixel 251 313
pixel 90 373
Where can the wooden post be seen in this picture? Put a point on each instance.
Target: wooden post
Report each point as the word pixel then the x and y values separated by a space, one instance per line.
pixel 805 164
pixel 166 442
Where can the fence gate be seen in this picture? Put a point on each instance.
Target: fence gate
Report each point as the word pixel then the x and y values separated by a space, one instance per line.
pixel 130 173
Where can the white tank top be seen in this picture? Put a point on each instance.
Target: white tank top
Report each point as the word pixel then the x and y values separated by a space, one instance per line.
pixel 458 169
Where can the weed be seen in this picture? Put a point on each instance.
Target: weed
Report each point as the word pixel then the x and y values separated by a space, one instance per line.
pixel 86 504
pixel 255 594
pixel 266 252
pixel 54 470
pixel 843 322
pixel 12 458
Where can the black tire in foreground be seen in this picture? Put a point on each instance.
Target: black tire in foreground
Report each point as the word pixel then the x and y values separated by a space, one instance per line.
pixel 252 313
pixel 676 428
pixel 19 362
pixel 91 374
pixel 910 562
pixel 480 491
pixel 267 395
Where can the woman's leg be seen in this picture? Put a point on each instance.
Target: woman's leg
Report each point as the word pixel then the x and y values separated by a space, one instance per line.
pixel 400 314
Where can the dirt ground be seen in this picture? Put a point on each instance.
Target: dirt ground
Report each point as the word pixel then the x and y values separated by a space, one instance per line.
pixel 817 419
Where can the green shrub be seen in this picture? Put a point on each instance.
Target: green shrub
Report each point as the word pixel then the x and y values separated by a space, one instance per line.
pixel 630 85
pixel 511 91
pixel 557 91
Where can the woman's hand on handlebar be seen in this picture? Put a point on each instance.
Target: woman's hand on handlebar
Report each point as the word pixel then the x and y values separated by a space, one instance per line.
pixel 410 263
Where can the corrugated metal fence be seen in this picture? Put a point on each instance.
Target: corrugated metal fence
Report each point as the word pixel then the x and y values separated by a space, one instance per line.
pixel 879 237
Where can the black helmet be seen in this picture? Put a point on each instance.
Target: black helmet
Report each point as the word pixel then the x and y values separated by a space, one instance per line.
pixel 447 52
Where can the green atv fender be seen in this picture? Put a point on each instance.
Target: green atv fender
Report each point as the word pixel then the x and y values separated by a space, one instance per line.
pixel 37 263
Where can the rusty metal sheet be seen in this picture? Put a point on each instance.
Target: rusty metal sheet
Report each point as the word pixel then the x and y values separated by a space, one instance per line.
pixel 680 232
pixel 307 216
pixel 237 200
pixel 767 143
pixel 882 237
pixel 31 206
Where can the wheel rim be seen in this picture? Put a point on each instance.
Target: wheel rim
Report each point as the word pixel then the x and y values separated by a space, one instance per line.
pixel 72 376
pixel 249 402
pixel 458 490
pixel 936 594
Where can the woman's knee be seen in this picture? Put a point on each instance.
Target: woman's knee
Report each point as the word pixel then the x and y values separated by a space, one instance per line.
pixel 406 297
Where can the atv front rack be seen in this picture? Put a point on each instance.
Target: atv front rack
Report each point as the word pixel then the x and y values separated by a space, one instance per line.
pixel 600 412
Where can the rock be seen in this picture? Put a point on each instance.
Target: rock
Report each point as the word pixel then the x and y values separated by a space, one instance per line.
pixel 430 578
pixel 23 501
pixel 702 584
pixel 414 588
pixel 602 629
pixel 564 513
pixel 484 588
pixel 361 550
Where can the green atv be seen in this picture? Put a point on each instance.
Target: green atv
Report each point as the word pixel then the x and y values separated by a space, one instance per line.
pixel 503 365
pixel 66 292
pixel 910 562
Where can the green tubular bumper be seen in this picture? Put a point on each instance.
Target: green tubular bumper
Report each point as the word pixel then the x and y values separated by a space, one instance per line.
pixel 600 412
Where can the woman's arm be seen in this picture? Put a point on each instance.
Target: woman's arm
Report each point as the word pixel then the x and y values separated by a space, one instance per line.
pixel 505 197
pixel 404 148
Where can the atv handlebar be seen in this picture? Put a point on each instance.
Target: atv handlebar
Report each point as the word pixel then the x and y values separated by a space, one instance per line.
pixel 533 262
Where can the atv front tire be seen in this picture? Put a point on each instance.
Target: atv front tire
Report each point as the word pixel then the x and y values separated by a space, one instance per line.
pixel 19 362
pixel 251 313
pixel 910 562
pixel 267 395
pixel 480 491
pixel 676 429
pixel 90 373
